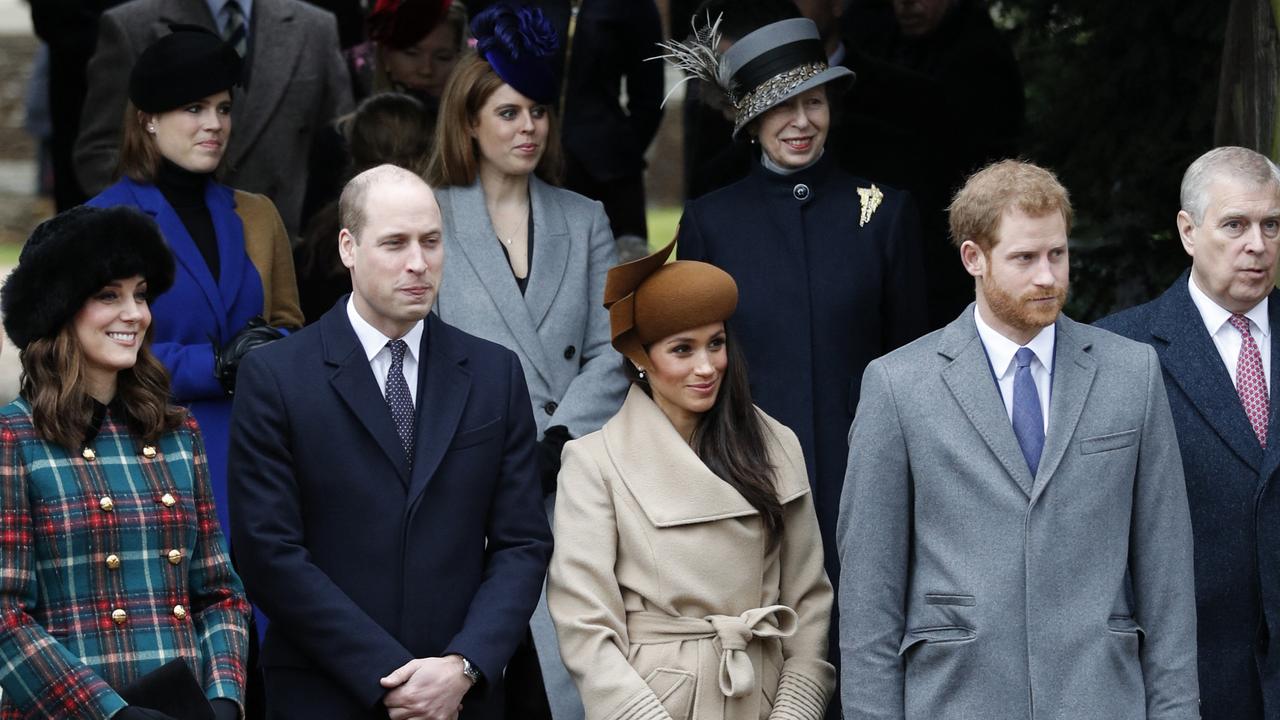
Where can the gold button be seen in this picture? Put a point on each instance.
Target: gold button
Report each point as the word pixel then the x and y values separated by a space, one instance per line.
pixel 118 616
pixel 113 562
pixel 148 451
pixel 107 504
pixel 175 556
pixel 168 500
pixel 179 612
pixel 89 454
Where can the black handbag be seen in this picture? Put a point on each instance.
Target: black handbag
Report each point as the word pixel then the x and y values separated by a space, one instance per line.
pixel 173 690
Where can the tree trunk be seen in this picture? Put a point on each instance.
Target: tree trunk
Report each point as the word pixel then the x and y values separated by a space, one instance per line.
pixel 1247 92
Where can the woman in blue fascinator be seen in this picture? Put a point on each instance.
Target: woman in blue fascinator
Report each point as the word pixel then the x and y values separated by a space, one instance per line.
pixel 526 269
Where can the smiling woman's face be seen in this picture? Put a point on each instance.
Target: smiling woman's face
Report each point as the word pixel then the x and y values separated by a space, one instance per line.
pixel 793 133
pixel 110 327
pixel 686 370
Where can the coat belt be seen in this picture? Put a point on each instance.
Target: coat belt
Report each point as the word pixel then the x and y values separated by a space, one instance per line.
pixel 735 632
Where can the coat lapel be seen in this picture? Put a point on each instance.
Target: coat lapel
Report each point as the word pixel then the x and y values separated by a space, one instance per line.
pixel 468 229
pixel 1271 458
pixel 183 12
pixel 353 380
pixel 277 46
pixel 443 386
pixel 550 251
pixel 969 378
pixel 229 229
pixel 1073 371
pixel 184 249
pixel 1191 359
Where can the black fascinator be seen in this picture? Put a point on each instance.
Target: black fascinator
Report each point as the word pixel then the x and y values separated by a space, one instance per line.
pixel 519 45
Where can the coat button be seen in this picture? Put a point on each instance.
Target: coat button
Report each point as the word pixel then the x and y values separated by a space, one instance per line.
pixel 179 612
pixel 168 500
pixel 148 451
pixel 550 407
pixel 107 504
pixel 174 556
pixel 118 616
pixel 113 562
pixel 569 352
pixel 88 454
pixel 800 191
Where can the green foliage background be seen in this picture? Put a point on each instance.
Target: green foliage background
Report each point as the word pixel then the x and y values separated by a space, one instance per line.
pixel 1121 97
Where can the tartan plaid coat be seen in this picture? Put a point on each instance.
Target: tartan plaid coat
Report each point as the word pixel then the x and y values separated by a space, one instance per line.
pixel 110 566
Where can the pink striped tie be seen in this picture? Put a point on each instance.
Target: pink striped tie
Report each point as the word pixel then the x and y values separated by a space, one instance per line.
pixel 1251 382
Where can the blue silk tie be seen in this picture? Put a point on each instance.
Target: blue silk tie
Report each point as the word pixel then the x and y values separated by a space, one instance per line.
pixel 399 401
pixel 1028 421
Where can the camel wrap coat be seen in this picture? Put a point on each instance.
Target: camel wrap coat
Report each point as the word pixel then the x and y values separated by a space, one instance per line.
pixel 665 596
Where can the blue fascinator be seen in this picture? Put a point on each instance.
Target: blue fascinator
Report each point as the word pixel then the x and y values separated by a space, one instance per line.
pixel 519 44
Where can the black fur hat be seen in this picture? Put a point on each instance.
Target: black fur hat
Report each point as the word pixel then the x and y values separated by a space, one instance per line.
pixel 73 255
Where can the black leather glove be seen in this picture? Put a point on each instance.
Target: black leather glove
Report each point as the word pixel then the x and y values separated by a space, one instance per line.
pixel 224 709
pixel 548 452
pixel 134 712
pixel 227 360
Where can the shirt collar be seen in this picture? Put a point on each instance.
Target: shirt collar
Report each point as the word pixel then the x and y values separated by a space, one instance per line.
pixel 1000 349
pixel 216 6
pixel 372 339
pixel 1215 316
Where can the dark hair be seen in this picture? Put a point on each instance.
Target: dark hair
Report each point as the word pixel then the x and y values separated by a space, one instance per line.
pixel 53 382
pixel 455 159
pixel 730 440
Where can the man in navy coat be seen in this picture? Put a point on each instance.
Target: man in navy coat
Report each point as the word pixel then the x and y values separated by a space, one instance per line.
pixel 385 504
pixel 1215 333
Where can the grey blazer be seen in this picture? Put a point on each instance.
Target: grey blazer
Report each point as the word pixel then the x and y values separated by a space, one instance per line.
pixel 970 589
pixel 297 82
pixel 559 327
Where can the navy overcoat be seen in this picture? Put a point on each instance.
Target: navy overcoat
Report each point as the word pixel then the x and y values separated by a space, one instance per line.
pixel 1235 504
pixel 361 560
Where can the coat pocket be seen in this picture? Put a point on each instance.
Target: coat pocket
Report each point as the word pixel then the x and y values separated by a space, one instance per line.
pixel 475 436
pixel 949 599
pixel 1125 624
pixel 935 636
pixel 674 689
pixel 1113 441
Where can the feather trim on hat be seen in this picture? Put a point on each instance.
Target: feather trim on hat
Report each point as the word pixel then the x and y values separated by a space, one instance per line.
pixel 698 57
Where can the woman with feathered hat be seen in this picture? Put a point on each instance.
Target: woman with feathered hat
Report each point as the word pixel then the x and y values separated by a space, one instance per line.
pixel 687 578
pixel 112 563
pixel 527 260
pixel 829 265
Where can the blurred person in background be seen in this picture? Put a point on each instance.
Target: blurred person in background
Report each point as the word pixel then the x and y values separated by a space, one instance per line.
pixel 115 584
pixel 527 264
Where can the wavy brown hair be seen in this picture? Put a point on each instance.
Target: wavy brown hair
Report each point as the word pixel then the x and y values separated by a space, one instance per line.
pixel 730 441
pixel 53 382
pixel 455 159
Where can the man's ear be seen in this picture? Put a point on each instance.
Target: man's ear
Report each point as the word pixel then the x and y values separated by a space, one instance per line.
pixel 347 248
pixel 974 259
pixel 1186 231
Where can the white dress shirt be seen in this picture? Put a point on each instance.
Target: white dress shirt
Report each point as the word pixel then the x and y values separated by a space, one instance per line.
pixel 1225 336
pixel 379 355
pixel 1001 351
pixel 216 8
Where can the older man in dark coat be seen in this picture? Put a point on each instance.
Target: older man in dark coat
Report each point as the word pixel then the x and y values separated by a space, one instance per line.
pixel 1215 333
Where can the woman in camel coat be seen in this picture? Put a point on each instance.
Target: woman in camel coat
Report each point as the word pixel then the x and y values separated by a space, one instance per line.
pixel 687 580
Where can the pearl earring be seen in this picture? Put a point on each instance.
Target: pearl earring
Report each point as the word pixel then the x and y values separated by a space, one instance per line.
pixel 640 371
pixel 151 129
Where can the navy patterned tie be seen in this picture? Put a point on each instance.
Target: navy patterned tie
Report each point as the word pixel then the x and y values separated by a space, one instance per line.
pixel 399 401
pixel 234 32
pixel 1028 421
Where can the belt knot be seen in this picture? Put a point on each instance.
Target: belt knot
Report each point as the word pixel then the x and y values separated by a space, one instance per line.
pixel 735 632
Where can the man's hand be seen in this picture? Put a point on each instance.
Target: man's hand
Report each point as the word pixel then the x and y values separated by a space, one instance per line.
pixel 427 688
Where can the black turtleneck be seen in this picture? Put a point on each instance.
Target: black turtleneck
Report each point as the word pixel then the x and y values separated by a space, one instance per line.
pixel 184 190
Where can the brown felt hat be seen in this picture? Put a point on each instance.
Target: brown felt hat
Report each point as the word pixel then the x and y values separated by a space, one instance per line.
pixel 649 299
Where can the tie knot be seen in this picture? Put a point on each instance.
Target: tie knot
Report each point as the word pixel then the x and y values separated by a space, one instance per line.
pixel 1024 356
pixel 1239 322
pixel 397 348
pixel 232 8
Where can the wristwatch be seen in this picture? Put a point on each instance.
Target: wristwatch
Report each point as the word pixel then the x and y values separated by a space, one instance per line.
pixel 470 670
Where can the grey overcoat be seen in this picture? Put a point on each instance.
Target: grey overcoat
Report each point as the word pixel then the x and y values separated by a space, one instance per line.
pixel 558 328
pixel 972 590
pixel 296 83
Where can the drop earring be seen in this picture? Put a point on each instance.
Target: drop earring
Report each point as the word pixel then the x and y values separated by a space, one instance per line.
pixel 640 372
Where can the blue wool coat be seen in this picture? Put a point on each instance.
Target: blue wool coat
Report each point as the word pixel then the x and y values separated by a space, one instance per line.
pixel 1234 504
pixel 201 313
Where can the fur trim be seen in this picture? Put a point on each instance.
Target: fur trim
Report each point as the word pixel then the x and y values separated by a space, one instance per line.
pixel 73 255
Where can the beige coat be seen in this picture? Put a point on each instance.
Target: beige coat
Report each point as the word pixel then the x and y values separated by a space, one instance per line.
pixel 664 598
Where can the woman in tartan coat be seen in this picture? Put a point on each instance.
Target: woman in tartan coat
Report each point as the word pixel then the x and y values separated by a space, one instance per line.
pixel 112 563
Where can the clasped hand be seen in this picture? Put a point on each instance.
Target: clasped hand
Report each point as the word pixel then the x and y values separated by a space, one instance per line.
pixel 426 689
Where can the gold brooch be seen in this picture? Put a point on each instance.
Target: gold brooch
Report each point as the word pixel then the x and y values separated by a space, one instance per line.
pixel 869 199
